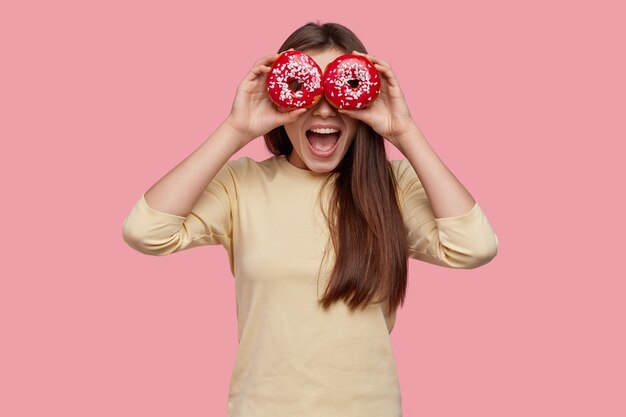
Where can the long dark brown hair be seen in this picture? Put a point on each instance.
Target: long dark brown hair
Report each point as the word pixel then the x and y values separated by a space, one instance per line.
pixel 364 220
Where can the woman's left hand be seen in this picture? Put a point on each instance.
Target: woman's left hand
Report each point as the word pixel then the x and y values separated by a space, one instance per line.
pixel 389 114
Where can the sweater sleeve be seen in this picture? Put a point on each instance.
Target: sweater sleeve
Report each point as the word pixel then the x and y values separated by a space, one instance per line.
pixel 466 241
pixel 154 232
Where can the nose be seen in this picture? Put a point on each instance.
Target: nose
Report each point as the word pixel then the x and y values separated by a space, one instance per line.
pixel 324 109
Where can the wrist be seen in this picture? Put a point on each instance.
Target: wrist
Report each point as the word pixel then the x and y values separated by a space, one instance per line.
pixel 407 135
pixel 238 134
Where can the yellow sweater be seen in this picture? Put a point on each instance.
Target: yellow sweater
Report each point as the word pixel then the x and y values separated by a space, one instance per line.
pixel 295 359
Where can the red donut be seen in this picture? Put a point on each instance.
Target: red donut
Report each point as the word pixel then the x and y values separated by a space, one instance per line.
pixel 294 81
pixel 351 82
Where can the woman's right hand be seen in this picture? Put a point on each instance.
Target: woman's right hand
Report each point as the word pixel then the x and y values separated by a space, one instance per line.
pixel 253 113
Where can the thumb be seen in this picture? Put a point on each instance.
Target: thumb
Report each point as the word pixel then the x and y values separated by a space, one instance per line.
pixel 355 114
pixel 293 115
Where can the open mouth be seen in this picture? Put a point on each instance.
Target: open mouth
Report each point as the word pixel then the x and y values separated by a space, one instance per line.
pixel 323 140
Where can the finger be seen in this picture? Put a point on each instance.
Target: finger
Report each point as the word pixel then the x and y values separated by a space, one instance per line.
pixel 267 60
pixel 261 67
pixel 256 73
pixel 362 114
pixel 288 116
pixel 382 67
pixel 374 60
pixel 261 70
pixel 390 77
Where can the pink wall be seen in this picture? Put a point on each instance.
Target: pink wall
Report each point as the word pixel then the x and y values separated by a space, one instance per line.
pixel 524 101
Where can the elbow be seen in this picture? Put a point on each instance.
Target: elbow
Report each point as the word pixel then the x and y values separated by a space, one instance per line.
pixel 474 257
pixel 141 241
pixel 483 254
pixel 482 259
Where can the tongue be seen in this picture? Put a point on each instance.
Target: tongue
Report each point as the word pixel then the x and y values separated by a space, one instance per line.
pixel 322 142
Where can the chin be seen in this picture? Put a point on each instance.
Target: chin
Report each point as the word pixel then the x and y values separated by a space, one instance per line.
pixel 325 164
pixel 322 167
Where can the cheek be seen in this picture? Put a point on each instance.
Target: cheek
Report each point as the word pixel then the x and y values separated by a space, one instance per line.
pixel 350 142
pixel 292 132
pixel 294 129
pixel 352 125
pixel 353 128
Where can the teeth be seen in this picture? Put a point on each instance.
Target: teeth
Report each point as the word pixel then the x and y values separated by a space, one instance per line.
pixel 325 130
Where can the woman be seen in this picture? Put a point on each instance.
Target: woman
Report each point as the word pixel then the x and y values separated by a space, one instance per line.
pixel 318 245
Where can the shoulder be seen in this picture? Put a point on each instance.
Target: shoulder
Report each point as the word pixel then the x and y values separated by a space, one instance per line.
pixel 403 172
pixel 401 168
pixel 246 168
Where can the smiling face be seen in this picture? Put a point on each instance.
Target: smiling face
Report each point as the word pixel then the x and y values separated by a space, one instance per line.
pixel 321 136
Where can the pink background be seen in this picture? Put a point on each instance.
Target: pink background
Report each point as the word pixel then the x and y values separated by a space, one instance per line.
pixel 523 101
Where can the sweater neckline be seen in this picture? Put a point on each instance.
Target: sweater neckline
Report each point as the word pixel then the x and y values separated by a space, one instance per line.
pixel 300 172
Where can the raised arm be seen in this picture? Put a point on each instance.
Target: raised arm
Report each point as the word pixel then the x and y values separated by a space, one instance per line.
pixel 446 226
pixel 390 117
pixel 192 203
pixel 252 115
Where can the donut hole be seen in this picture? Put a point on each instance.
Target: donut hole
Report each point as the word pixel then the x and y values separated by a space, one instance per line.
pixel 295 86
pixel 354 83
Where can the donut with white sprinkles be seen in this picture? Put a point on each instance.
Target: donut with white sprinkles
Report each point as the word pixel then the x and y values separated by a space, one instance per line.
pixel 294 81
pixel 351 82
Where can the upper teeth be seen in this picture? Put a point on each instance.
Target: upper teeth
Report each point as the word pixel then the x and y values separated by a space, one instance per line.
pixel 325 130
